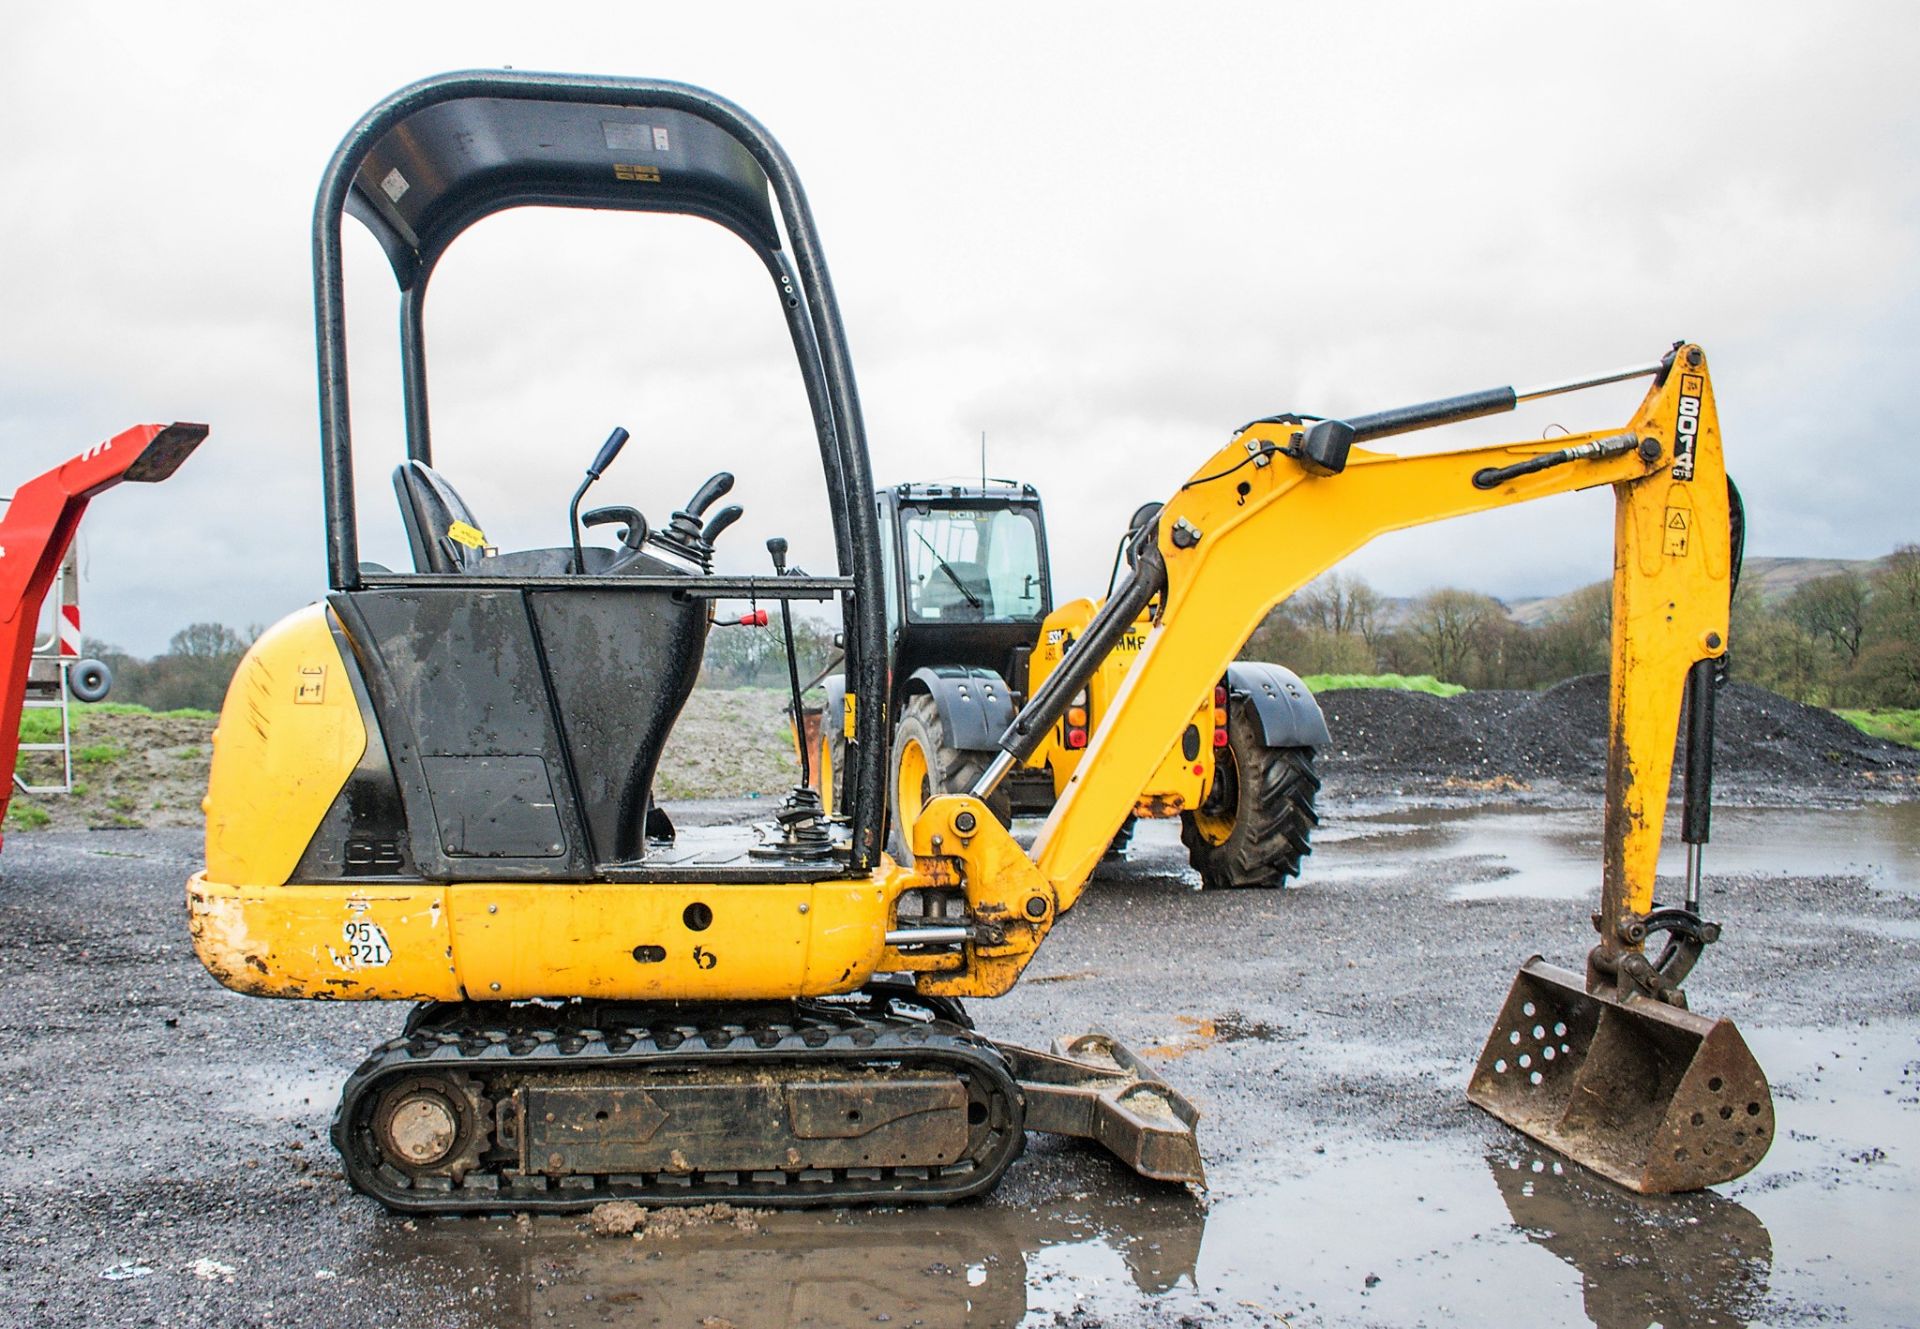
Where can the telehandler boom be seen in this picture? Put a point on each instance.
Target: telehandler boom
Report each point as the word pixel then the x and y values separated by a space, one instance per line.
pixel 435 786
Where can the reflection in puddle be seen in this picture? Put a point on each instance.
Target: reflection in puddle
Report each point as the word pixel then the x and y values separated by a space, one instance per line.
pixel 1642 1259
pixel 975 1265
pixel 1555 854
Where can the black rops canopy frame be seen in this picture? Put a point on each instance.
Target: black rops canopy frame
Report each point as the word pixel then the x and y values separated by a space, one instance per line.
pixel 435 157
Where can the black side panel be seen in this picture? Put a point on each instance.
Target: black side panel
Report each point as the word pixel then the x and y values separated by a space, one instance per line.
pixel 494 807
pixel 621 664
pixel 364 834
pixel 455 678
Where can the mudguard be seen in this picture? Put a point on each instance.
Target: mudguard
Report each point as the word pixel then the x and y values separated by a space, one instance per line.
pixel 1289 715
pixel 975 705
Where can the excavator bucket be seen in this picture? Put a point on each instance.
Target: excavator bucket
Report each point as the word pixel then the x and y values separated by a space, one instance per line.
pixel 1649 1095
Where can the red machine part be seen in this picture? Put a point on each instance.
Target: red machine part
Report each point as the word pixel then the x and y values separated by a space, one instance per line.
pixel 34 534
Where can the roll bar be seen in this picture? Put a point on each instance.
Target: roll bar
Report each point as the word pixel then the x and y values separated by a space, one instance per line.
pixel 432 159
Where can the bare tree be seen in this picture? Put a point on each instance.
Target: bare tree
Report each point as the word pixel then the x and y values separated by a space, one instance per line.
pixel 1338 603
pixel 1451 626
pixel 1833 609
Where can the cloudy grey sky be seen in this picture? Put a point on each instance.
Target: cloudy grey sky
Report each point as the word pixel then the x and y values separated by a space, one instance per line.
pixel 1101 233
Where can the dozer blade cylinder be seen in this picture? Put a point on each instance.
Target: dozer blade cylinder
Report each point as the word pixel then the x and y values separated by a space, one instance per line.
pixel 1649 1095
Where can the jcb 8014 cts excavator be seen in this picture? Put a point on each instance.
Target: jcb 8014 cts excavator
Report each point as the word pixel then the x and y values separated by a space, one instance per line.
pixel 434 786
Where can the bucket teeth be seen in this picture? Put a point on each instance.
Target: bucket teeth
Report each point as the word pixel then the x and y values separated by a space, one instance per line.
pixel 1651 1096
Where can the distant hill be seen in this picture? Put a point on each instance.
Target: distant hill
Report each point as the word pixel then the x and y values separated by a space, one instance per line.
pixel 1776 577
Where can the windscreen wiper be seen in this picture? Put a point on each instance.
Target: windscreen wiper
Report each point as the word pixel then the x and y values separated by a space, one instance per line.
pixel 952 576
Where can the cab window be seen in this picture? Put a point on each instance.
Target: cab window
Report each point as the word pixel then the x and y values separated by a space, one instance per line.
pixel 971 565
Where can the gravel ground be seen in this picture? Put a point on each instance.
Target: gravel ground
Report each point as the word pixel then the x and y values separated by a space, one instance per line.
pixel 162 1124
pixel 169 1166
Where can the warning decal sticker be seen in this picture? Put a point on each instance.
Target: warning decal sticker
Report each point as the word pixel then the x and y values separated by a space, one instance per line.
pixel 1679 524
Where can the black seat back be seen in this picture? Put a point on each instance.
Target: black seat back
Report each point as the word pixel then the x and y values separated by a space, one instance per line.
pixel 441 530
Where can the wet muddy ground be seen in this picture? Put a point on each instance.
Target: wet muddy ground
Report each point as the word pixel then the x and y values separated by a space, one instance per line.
pixel 167 1162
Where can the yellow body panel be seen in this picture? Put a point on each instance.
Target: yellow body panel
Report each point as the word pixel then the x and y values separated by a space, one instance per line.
pixel 289 735
pixel 517 940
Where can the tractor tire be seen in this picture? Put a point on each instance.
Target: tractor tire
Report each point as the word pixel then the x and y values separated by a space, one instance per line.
pixel 831 779
pixel 923 766
pixel 1257 823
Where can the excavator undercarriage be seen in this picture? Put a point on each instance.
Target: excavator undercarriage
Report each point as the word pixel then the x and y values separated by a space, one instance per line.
pixel 880 1097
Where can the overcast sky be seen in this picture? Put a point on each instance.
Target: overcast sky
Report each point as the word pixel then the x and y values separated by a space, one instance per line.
pixel 1101 234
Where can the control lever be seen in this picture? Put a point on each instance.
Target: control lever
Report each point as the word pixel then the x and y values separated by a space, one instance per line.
pixel 633 534
pixel 683 535
pixel 603 459
pixel 802 820
pixel 703 498
pixel 722 519
pixel 777 546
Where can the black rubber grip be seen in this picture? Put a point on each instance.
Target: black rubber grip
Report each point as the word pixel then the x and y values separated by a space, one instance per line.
pixel 704 496
pixel 608 451
pixel 1404 419
pixel 724 518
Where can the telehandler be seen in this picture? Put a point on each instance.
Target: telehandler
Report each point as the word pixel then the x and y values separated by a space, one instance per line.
pixel 972 628
pixel 433 786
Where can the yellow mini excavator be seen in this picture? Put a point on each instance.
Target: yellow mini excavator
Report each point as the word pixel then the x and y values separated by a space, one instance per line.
pixel 434 786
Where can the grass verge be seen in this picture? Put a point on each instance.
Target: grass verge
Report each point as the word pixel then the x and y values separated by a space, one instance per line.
pixel 41 724
pixel 1900 726
pixel 1426 683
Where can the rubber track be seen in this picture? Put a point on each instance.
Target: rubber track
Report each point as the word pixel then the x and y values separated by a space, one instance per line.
pixel 497 1052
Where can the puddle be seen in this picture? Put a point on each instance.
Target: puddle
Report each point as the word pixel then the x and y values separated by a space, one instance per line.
pixel 1475 1226
pixel 1545 854
pixel 979 1265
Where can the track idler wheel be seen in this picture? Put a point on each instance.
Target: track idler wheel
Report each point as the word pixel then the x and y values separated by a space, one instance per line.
pixel 429 1126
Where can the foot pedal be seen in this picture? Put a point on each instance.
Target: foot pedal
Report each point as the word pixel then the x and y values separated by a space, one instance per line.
pixel 1654 1097
pixel 1093 1087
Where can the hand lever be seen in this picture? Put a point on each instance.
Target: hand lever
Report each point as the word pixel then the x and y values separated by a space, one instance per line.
pixel 704 496
pixel 777 546
pixel 633 534
pixel 603 459
pixel 722 519
pixel 608 451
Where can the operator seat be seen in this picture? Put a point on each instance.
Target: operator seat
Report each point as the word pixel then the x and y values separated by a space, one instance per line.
pixel 431 510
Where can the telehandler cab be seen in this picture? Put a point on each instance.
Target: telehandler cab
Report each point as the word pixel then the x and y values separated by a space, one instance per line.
pixel 972 629
pixel 433 786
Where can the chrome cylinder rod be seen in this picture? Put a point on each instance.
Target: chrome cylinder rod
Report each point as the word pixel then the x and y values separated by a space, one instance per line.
pixel 928 936
pixel 1577 384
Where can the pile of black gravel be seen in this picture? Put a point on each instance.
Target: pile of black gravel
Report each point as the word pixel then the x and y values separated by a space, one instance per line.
pixel 1761 739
